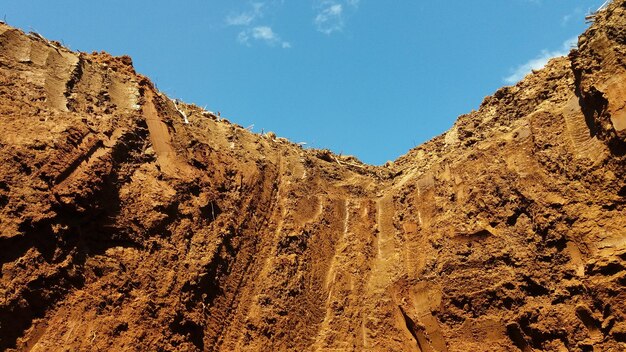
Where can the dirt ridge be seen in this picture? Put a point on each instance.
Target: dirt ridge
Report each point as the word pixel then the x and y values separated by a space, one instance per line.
pixel 123 227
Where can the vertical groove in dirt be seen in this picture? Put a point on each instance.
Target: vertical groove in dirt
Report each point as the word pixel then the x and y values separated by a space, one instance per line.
pixel 124 228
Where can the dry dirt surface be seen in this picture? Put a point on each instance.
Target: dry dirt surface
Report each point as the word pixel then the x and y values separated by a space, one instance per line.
pixel 122 228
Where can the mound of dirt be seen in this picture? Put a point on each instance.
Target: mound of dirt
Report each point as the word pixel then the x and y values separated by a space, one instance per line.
pixel 124 228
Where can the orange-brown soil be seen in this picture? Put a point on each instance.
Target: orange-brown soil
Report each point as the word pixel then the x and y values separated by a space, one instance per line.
pixel 124 229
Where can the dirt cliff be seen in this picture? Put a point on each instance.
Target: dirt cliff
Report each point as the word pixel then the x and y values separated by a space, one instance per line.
pixel 122 227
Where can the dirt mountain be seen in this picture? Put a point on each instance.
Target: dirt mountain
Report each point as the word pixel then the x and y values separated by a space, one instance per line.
pixel 125 228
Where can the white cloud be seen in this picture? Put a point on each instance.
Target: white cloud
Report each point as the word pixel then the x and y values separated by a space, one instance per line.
pixel 242 19
pixel 330 18
pixel 263 34
pixel 244 38
pixel 247 17
pixel 565 19
pixel 577 13
pixel 252 32
pixel 331 14
pixel 540 61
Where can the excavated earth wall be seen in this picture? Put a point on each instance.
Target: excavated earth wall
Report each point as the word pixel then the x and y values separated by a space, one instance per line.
pixel 122 228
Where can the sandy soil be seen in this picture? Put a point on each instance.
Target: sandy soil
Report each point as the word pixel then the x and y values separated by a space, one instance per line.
pixel 123 228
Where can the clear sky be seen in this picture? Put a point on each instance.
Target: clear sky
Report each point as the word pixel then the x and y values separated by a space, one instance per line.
pixel 361 77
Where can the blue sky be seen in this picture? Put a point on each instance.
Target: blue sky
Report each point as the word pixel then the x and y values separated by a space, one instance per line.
pixel 361 77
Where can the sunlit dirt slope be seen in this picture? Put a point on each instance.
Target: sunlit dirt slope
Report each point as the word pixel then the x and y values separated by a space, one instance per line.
pixel 122 228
